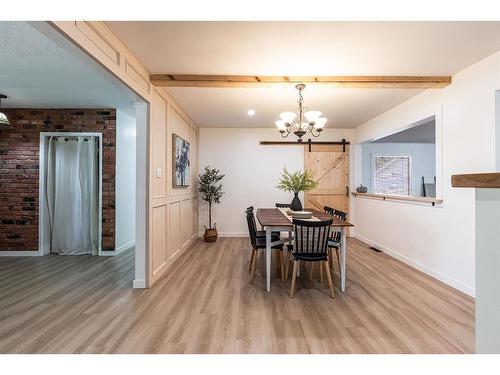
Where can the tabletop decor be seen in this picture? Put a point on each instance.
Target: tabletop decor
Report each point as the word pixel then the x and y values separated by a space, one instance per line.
pixel 296 182
pixel 362 189
pixel 211 192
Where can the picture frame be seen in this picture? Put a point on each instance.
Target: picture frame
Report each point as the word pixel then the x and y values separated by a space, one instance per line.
pixel 180 162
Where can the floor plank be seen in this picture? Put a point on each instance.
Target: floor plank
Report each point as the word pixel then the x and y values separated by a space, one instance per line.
pixel 205 304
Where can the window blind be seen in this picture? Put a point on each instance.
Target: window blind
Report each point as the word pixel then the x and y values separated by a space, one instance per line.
pixel 392 175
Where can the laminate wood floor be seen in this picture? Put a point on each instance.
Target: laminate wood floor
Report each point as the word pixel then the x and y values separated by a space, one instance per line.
pixel 205 304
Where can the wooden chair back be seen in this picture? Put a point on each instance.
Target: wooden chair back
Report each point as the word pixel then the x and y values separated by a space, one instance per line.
pixel 311 237
pixel 283 205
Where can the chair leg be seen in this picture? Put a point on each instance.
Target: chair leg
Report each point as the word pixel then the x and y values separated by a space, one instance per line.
pixel 321 273
pixel 311 271
pixel 251 261
pixel 254 263
pixel 282 265
pixel 329 277
pixel 338 259
pixel 287 266
pixel 294 278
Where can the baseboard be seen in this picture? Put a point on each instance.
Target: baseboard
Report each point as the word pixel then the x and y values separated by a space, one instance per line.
pixel 139 284
pixel 233 234
pixel 18 253
pixel 467 289
pixel 119 250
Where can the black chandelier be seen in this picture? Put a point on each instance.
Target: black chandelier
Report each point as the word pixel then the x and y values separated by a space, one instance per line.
pixel 301 123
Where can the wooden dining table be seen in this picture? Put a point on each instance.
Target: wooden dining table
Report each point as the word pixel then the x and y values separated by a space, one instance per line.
pixel 273 220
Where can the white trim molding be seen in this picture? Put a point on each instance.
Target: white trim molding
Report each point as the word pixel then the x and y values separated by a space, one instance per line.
pixel 119 250
pixel 19 253
pixel 139 284
pixel 232 234
pixel 467 289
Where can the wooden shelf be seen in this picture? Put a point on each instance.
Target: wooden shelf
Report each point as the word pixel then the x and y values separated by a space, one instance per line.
pixel 476 180
pixel 402 198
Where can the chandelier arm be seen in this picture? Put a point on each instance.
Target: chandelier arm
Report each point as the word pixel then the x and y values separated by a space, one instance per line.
pixel 300 128
pixel 315 135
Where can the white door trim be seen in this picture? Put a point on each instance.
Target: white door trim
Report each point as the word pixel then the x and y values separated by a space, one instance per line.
pixel 44 136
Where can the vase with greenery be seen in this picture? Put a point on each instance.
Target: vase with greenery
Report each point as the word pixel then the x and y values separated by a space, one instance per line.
pixel 211 192
pixel 295 182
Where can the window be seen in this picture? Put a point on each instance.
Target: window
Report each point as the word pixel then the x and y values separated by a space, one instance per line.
pixel 392 175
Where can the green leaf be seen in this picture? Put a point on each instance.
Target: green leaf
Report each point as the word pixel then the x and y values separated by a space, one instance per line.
pixel 297 181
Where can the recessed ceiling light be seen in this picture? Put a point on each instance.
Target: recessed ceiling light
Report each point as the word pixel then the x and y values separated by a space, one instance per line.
pixel 251 112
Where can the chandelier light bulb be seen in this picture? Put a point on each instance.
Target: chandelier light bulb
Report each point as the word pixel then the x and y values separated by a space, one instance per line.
pixel 288 116
pixel 312 116
pixel 320 123
pixel 280 124
pixel 300 123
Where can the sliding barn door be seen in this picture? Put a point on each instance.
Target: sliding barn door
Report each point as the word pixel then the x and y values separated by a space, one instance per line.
pixel 330 166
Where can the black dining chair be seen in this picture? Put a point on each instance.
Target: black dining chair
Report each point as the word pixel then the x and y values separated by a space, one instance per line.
pixel 310 245
pixel 283 205
pixel 334 241
pixel 329 210
pixel 258 242
pixel 261 233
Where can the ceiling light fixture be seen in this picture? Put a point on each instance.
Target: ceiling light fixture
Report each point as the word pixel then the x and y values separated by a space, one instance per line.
pixel 301 123
pixel 251 112
pixel 3 117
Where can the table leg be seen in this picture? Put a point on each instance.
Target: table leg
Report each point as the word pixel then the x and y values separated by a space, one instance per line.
pixel 285 249
pixel 343 253
pixel 268 258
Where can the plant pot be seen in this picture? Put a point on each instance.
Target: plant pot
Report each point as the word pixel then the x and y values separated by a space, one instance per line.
pixel 210 235
pixel 296 205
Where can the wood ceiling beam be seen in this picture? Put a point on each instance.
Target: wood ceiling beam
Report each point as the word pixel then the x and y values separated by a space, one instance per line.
pixel 238 81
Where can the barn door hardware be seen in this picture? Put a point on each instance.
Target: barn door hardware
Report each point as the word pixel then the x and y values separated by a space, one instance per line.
pixel 310 142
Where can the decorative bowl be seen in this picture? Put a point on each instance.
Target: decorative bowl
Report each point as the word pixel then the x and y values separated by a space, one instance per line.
pixel 302 214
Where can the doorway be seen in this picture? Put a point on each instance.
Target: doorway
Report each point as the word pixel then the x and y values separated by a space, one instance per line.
pixel 70 193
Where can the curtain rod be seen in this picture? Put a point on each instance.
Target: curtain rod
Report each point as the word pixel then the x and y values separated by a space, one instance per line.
pixel 72 137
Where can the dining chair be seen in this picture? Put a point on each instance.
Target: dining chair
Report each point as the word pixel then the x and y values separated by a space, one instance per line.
pixel 283 205
pixel 258 242
pixel 334 241
pixel 310 245
pixel 329 210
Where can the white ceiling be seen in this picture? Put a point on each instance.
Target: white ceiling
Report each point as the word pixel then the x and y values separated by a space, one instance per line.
pixel 309 48
pixel 303 48
pixel 425 133
pixel 39 68
pixel 344 108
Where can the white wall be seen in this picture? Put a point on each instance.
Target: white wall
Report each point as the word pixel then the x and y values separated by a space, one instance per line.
pixel 487 266
pixel 438 240
pixel 251 171
pixel 125 180
pixel 423 162
pixel 497 130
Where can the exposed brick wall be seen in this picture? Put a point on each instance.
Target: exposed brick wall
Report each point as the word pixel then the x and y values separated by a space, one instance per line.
pixel 19 163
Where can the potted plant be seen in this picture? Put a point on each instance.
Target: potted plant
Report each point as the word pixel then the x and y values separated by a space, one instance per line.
pixel 211 192
pixel 296 182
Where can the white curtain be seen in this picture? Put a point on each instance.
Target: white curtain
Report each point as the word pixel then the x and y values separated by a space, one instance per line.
pixel 72 195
